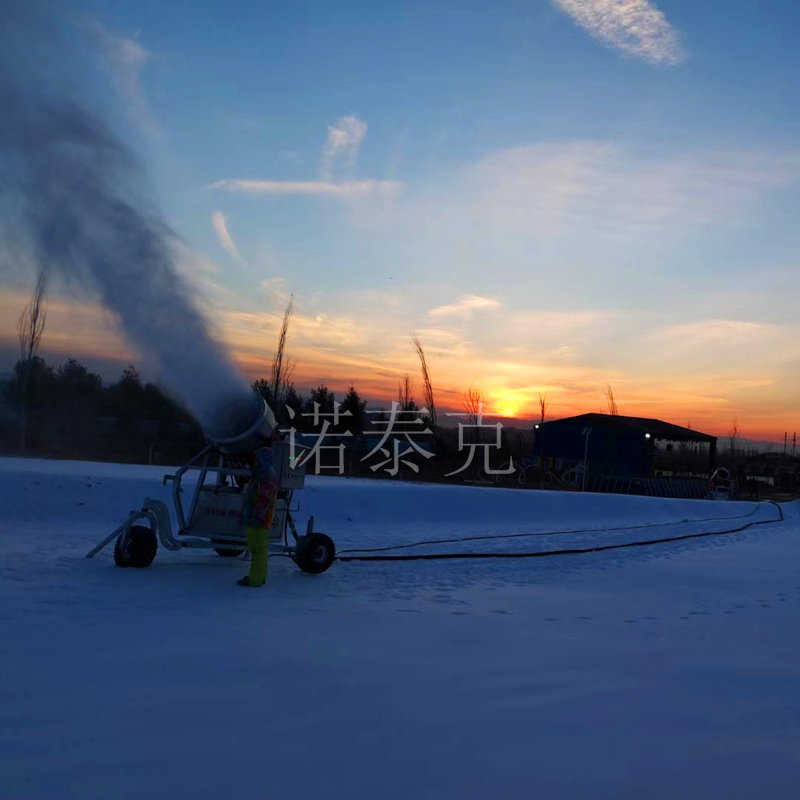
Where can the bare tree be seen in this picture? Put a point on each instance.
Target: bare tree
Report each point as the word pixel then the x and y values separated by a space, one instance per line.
pixel 426 380
pixel 611 402
pixel 474 401
pixel 733 435
pixel 30 327
pixel 404 398
pixel 543 404
pixel 282 370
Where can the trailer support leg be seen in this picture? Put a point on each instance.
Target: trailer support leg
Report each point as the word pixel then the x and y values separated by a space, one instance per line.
pixel 292 527
pixel 111 536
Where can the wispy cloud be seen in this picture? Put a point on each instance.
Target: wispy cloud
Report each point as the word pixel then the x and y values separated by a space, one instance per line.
pixel 342 146
pixel 465 306
pixel 126 58
pixel 564 188
pixel 276 288
pixel 319 188
pixel 713 331
pixel 339 155
pixel 220 223
pixel 636 27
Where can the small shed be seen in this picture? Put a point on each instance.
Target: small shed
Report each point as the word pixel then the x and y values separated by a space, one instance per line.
pixel 610 444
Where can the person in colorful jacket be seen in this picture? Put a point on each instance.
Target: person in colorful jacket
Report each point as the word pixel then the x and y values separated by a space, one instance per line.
pixel 257 513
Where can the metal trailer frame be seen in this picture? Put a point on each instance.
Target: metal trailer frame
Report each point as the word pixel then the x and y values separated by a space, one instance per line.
pixel 212 519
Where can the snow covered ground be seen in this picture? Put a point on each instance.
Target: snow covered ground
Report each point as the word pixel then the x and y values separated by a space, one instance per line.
pixel 649 672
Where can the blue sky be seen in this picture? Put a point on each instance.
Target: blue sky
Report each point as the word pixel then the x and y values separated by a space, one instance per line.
pixel 555 195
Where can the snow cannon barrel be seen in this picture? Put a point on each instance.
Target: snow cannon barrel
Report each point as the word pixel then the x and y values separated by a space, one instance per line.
pixel 251 417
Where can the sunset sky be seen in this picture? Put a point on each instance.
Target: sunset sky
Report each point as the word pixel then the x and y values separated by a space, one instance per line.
pixel 554 195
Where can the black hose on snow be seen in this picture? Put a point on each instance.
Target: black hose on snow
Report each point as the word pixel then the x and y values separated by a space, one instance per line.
pixel 562 552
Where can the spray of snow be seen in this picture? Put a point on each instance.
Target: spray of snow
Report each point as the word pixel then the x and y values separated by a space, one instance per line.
pixel 85 215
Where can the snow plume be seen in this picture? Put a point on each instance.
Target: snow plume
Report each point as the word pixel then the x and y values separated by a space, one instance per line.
pixel 84 214
pixel 126 58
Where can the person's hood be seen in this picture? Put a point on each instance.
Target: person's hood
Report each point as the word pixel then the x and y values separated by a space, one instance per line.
pixel 263 460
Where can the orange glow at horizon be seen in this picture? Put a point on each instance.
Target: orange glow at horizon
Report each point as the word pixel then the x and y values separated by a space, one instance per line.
pixel 761 406
pixel 379 386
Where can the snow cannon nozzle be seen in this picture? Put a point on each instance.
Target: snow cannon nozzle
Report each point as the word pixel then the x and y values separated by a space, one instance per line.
pixel 242 425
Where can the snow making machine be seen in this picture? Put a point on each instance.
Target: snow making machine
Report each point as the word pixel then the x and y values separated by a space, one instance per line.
pixel 208 496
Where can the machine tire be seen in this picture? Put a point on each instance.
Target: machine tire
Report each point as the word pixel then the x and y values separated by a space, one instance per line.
pixel 140 548
pixel 314 553
pixel 228 552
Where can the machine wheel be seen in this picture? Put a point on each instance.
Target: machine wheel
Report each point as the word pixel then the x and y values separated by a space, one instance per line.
pixel 314 553
pixel 228 552
pixel 139 550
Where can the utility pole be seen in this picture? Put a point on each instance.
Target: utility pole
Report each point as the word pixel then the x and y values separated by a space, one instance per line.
pixel 586 432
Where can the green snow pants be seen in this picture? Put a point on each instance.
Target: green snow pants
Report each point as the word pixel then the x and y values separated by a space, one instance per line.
pixel 257 542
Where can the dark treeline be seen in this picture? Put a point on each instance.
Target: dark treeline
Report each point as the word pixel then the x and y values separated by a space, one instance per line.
pixel 67 412
pixel 293 410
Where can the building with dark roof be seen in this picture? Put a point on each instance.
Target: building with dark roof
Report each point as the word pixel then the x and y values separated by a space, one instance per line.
pixel 613 445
